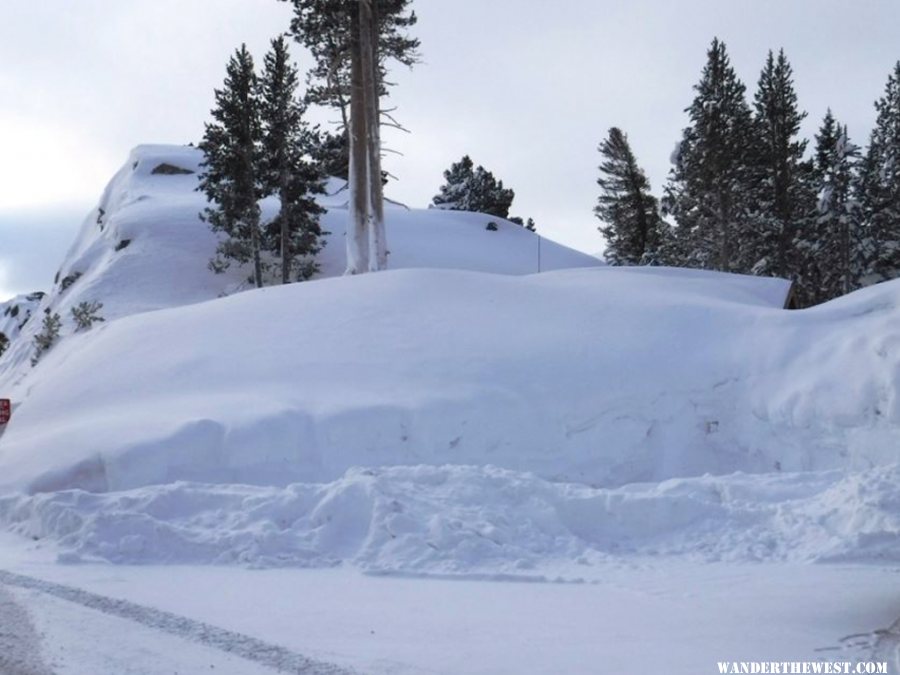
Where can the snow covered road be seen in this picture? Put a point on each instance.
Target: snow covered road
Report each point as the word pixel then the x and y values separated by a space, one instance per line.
pixel 19 643
pixel 667 616
pixel 68 630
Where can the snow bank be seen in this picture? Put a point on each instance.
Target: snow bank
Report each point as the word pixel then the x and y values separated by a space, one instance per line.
pixel 474 520
pixel 590 375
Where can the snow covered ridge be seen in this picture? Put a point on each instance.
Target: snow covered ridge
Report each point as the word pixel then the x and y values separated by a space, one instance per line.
pixel 464 520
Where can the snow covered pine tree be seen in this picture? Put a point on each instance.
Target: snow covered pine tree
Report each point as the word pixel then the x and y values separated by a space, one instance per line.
pixel 633 228
pixel 880 187
pixel 710 189
pixel 470 188
pixel 231 148
pixel 783 195
pixel 287 169
pixel 830 252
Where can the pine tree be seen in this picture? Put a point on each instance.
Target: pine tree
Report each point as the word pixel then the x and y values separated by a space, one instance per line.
pixel 286 168
pixel 471 188
pixel 778 155
pixel 866 190
pixel 326 29
pixel 710 186
pixel 231 147
pixel 829 247
pixel 331 153
pixel 633 228
pixel 86 314
pixel 880 186
pixel 48 336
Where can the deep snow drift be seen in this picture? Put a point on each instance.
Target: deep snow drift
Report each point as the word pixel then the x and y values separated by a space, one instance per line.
pixel 477 417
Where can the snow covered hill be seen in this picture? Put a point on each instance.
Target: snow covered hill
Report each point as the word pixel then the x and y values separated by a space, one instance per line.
pixel 144 247
pixel 462 413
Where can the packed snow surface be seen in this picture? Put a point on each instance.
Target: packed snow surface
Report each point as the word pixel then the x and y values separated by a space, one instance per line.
pixel 458 414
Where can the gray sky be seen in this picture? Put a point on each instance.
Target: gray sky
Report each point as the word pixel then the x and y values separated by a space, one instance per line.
pixel 528 88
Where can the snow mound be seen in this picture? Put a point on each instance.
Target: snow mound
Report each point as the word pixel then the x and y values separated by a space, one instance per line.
pixel 465 520
pixel 594 375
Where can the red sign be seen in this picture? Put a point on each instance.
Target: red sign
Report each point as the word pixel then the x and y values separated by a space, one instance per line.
pixel 5 410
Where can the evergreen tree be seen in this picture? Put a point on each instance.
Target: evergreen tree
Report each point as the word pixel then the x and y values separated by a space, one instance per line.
pixel 829 247
pixel 325 28
pixel 470 188
pixel 866 190
pixel 230 180
pixel 710 190
pixel 880 186
pixel 286 166
pixel 780 201
pixel 48 336
pixel 331 153
pixel 633 228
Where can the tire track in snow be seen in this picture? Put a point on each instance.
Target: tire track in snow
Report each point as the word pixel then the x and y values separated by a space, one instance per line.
pixel 237 644
pixel 20 647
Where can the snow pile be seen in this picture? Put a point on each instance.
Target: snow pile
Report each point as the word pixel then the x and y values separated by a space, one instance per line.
pixel 566 374
pixel 474 520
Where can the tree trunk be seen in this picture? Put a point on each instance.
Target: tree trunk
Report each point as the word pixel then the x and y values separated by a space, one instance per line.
pixel 368 52
pixel 254 244
pixel 286 253
pixel 357 243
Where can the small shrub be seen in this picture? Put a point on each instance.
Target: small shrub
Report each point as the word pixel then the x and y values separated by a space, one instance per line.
pixel 47 337
pixel 86 314
pixel 491 226
pixel 4 343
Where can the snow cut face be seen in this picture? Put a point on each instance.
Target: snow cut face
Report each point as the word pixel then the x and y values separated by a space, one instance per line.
pixel 594 376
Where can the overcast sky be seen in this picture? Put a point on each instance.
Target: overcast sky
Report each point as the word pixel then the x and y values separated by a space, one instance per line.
pixel 528 88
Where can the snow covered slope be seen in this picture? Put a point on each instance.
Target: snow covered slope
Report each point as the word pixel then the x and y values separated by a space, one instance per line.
pixel 144 247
